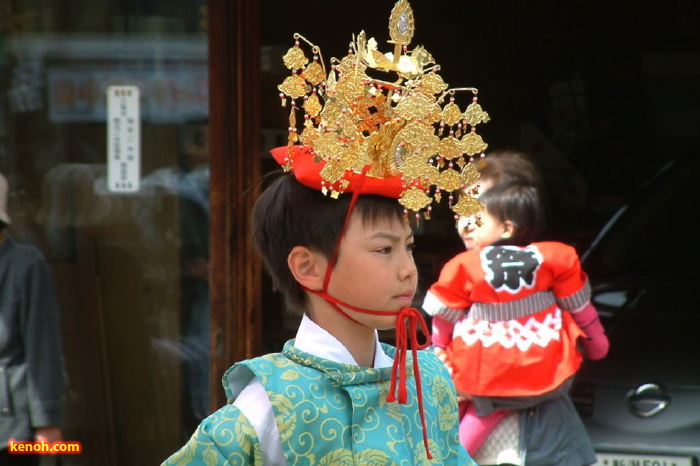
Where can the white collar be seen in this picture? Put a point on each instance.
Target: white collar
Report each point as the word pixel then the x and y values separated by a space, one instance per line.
pixel 313 339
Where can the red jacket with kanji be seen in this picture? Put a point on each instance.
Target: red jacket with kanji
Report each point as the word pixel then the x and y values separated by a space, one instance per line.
pixel 501 313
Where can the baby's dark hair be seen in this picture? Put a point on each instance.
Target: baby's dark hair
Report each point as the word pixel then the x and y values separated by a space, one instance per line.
pixel 520 204
pixel 289 214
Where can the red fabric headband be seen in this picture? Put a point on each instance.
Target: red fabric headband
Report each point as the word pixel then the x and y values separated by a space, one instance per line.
pixel 308 172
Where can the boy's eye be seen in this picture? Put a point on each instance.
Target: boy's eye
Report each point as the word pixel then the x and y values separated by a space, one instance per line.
pixel 389 249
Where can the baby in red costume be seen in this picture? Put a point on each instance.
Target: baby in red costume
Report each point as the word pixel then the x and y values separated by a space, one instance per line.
pixel 511 316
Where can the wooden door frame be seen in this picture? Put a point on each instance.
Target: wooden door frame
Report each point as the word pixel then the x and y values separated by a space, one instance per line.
pixel 234 132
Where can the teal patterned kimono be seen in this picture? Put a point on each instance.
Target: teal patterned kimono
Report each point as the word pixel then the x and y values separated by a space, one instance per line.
pixel 330 413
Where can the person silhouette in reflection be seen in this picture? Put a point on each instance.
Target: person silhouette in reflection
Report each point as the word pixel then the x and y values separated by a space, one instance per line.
pixel 193 201
pixel 31 374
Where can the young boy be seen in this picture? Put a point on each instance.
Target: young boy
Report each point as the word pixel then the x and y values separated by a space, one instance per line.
pixel 323 399
pixel 335 240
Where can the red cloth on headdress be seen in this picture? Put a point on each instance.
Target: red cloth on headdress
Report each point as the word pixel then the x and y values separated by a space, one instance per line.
pixel 308 172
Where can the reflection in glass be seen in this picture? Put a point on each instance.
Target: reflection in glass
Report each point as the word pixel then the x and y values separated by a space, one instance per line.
pixel 131 269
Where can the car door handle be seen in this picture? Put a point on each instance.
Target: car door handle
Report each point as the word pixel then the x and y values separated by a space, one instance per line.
pixel 648 400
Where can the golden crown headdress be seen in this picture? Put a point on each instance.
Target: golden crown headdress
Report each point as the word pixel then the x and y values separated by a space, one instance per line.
pixel 410 128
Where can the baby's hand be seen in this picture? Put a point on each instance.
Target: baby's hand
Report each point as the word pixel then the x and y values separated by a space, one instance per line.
pixel 461 396
pixel 442 356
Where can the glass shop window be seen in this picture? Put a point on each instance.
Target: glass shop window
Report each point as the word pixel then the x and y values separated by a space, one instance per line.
pixel 115 194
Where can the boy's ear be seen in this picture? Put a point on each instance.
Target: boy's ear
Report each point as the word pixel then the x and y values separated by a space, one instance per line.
pixel 308 267
pixel 508 229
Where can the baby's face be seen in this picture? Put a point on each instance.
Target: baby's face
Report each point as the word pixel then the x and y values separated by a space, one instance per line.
pixel 465 229
pixel 467 225
pixel 489 230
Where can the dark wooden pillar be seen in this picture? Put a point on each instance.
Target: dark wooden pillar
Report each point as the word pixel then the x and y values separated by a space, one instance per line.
pixel 234 109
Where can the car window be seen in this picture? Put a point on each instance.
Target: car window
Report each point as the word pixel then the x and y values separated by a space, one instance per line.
pixel 655 237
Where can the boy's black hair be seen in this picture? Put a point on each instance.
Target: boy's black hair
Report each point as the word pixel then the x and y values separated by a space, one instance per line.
pixel 3 225
pixel 289 214
pixel 519 203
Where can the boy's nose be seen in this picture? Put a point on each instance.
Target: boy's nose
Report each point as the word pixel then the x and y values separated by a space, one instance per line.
pixel 408 267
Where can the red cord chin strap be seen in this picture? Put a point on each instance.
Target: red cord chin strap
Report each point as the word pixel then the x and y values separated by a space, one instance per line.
pixel 407 321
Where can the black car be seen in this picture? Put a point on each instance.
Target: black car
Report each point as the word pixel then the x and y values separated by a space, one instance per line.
pixel 641 404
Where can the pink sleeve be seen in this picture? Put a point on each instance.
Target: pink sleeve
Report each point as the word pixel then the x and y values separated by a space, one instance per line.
pixel 442 332
pixel 595 344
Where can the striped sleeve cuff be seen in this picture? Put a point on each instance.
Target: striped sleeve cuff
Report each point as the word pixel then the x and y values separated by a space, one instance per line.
pixel 434 307
pixel 576 300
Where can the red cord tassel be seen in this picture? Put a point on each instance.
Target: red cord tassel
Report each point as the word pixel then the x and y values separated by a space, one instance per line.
pixel 411 317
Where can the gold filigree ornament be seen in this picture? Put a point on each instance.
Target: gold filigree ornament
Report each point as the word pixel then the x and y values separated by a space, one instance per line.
pixel 467 206
pixel 408 125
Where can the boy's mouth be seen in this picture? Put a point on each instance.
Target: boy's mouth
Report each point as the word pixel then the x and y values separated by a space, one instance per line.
pixel 406 297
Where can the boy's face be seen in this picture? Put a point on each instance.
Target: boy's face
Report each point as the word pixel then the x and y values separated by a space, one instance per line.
pixel 375 269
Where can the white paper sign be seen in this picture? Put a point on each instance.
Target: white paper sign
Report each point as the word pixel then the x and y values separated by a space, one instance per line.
pixel 123 139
